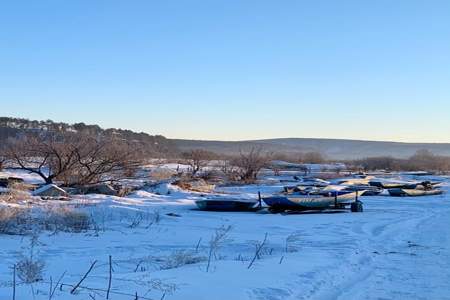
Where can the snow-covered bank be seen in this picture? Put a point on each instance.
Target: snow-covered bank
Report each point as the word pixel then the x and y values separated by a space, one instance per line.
pixel 399 248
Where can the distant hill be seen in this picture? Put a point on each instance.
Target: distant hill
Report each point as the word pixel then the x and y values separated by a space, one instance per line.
pixel 14 127
pixel 332 148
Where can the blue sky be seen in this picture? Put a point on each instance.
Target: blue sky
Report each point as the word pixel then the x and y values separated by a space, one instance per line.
pixel 232 70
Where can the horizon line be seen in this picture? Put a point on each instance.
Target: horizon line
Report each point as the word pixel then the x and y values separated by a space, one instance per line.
pixel 240 140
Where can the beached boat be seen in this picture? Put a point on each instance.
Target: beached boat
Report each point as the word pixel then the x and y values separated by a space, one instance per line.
pixel 315 182
pixel 414 192
pixel 329 191
pixel 365 190
pixel 322 201
pixel 393 184
pixel 226 204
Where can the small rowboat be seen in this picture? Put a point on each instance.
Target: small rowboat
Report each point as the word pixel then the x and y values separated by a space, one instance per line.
pixel 311 202
pixel 226 204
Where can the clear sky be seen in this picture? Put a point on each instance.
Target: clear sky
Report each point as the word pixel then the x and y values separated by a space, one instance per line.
pixel 232 69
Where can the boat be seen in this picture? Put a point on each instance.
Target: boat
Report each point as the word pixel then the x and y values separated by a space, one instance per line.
pixel 215 204
pixel 397 184
pixel 398 192
pixel 330 190
pixel 393 184
pixel 315 182
pixel 320 201
pixel 417 173
pixel 364 190
pixel 302 190
pixel 357 180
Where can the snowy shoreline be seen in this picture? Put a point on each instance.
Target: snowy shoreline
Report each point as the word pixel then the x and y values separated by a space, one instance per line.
pixel 399 248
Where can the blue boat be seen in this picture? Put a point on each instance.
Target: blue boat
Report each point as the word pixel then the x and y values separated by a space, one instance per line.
pixel 226 204
pixel 322 201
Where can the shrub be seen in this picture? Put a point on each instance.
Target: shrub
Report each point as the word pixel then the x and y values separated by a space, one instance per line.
pixel 12 220
pixel 17 191
pixel 198 159
pixel 29 268
pixel 64 218
pixel 250 163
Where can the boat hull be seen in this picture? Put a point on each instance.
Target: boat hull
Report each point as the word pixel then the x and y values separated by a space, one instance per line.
pixel 389 185
pixel 365 190
pixel 310 202
pixel 413 192
pixel 225 205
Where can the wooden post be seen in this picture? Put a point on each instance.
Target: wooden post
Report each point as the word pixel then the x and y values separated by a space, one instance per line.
pixel 83 278
pixel 335 200
pixel 198 245
pixel 259 199
pixel 110 277
pixel 356 197
pixel 14 283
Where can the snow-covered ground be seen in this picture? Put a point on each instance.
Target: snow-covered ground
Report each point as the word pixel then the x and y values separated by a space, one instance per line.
pixel 399 248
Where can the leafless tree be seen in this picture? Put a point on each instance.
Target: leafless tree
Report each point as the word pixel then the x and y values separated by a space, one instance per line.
pixel 2 159
pixel 48 157
pixel 197 159
pixel 71 158
pixel 421 160
pixel 100 160
pixel 443 164
pixel 228 169
pixel 378 163
pixel 250 163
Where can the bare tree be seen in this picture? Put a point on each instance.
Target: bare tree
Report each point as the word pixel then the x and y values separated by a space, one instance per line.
pixel 250 163
pixel 71 158
pixel 428 161
pixel 101 160
pixel 378 163
pixel 48 157
pixel 2 159
pixel 228 169
pixel 197 159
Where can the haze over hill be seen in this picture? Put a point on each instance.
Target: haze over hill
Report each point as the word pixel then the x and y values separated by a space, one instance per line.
pixel 332 148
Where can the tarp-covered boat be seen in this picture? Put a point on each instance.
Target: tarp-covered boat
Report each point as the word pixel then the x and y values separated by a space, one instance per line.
pixel 393 184
pixel 311 202
pixel 316 182
pixel 365 190
pixel 414 192
pixel 217 204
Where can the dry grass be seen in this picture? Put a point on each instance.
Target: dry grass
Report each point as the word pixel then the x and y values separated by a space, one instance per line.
pixel 17 191
pixel 181 258
pixel 13 220
pixel 61 218
pixel 162 174
pixel 67 219
pixel 218 239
